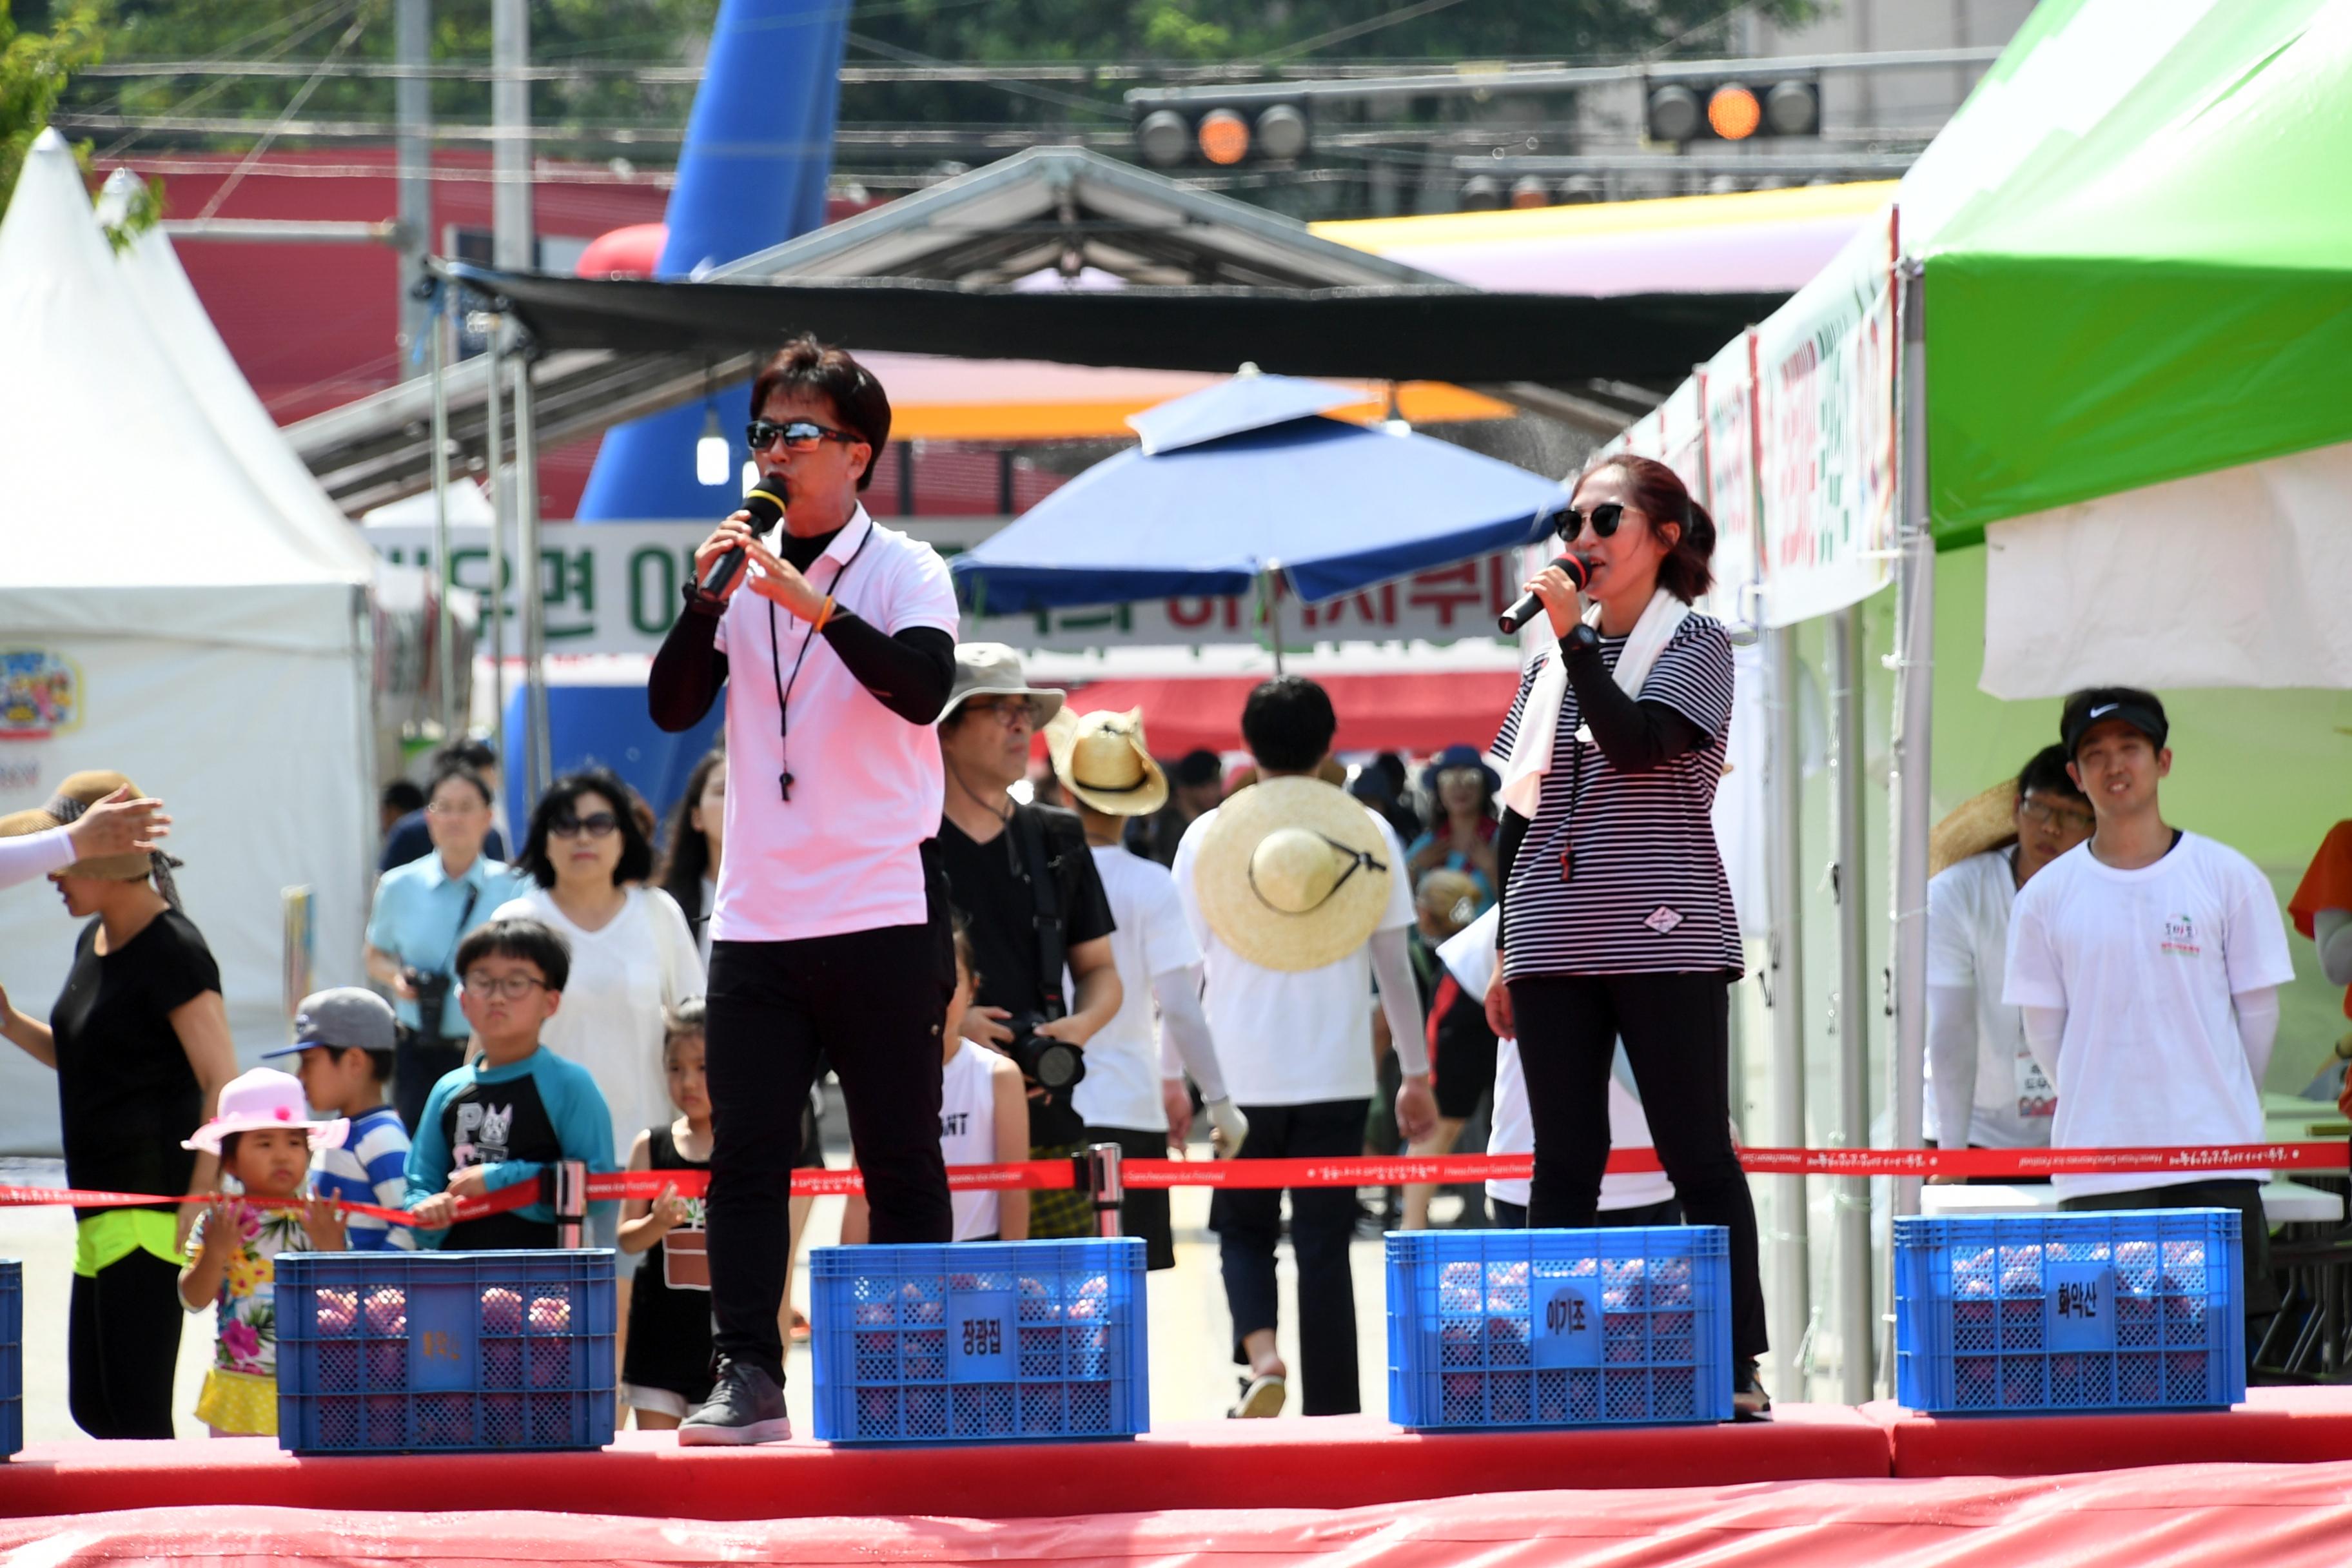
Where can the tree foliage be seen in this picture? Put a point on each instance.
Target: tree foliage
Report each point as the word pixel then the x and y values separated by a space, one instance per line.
pixel 35 67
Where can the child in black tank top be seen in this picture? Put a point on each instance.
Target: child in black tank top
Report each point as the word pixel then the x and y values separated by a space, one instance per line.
pixel 665 1371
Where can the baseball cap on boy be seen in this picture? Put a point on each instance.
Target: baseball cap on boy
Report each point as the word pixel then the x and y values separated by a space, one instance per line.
pixel 2143 710
pixel 344 1017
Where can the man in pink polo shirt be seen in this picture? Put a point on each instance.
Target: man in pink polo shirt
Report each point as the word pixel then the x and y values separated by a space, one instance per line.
pixel 830 933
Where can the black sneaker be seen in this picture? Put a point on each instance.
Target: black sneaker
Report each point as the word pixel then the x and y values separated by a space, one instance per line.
pixel 745 1406
pixel 1749 1400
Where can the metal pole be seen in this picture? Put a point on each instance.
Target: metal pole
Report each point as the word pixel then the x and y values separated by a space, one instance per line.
pixel 1273 581
pixel 537 772
pixel 510 217
pixel 412 97
pixel 502 504
pixel 571 1198
pixel 1108 1184
pixel 1912 787
pixel 1792 1279
pixel 1851 1018
pixel 444 664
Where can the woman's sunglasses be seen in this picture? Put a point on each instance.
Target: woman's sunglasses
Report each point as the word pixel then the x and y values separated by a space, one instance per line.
pixel 596 824
pixel 800 435
pixel 1604 519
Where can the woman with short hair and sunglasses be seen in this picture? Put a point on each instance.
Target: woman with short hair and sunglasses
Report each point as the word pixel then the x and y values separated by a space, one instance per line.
pixel 633 956
pixel 1616 914
pixel 834 645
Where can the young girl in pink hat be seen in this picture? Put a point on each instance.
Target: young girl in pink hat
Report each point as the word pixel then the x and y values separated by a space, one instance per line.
pixel 264 1135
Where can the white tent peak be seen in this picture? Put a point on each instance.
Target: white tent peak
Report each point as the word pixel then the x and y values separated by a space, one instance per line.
pixel 89 359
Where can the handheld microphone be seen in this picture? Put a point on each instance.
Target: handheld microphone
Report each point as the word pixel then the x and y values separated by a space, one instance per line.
pixel 1529 607
pixel 766 504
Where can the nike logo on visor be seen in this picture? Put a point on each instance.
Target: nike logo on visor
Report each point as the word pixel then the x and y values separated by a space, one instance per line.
pixel 2103 712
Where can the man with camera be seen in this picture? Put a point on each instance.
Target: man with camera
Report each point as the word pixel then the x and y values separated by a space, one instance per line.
pixel 422 911
pixel 1025 883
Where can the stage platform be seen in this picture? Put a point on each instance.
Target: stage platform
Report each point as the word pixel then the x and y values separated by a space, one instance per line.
pixel 1331 1462
pixel 2274 1426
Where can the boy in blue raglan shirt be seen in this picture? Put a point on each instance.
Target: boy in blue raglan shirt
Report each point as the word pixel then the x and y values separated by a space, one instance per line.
pixel 342 1040
pixel 506 1117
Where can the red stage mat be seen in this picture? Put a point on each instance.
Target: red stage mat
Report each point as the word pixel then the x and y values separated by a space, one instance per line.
pixel 1329 1462
pixel 2270 1516
pixel 2274 1426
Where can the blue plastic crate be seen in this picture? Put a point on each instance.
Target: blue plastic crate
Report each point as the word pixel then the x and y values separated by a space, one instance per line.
pixel 12 1356
pixel 983 1342
pixel 1559 1328
pixel 2132 1311
pixel 396 1353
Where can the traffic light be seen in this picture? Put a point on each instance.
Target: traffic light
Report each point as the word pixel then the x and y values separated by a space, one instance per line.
pixel 1683 113
pixel 1222 134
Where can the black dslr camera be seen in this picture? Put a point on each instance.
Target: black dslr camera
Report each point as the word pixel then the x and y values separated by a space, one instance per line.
pixel 431 1002
pixel 1052 1064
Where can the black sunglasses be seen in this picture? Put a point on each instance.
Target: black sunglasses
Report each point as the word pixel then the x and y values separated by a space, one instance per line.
pixel 596 824
pixel 1604 519
pixel 800 435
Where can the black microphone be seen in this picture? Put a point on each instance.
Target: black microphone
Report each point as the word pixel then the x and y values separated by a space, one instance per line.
pixel 1529 607
pixel 766 504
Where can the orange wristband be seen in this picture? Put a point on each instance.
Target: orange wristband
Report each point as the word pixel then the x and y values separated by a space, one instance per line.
pixel 823 615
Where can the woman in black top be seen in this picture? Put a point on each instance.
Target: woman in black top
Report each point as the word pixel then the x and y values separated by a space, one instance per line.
pixel 1617 917
pixel 141 1043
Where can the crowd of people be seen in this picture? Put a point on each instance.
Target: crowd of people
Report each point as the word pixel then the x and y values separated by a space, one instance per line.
pixel 1009 931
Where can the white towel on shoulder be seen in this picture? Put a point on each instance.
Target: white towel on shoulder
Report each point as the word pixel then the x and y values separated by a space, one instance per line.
pixel 1523 771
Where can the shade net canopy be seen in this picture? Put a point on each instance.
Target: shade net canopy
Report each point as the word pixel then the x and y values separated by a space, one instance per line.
pixel 1389 334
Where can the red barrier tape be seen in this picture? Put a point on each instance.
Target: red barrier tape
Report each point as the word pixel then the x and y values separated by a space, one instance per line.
pixel 1045 1175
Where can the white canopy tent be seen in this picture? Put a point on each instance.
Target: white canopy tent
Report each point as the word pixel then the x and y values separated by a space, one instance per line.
pixel 193 606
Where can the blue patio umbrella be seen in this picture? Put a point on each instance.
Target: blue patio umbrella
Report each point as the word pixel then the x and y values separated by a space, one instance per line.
pixel 1247 480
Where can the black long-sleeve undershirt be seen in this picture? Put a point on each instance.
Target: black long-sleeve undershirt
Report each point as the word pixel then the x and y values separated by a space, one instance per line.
pixel 909 674
pixel 1635 736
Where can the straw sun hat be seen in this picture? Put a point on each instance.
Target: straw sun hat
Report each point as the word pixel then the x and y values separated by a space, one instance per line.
pixel 75 795
pixel 1982 822
pixel 1292 874
pixel 1101 758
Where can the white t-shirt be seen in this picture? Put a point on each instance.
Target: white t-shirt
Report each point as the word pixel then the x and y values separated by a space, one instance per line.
pixel 1969 908
pixel 968 1133
pixel 845 853
pixel 1469 955
pixel 1290 1038
pixel 2145 964
pixel 1121 1087
pixel 623 975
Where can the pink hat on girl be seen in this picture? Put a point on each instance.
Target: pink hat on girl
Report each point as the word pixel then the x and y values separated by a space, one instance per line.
pixel 260 1099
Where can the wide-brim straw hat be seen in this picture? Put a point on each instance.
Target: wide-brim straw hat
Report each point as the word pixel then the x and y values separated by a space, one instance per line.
pixel 75 795
pixel 1984 821
pixel 1292 874
pixel 1102 760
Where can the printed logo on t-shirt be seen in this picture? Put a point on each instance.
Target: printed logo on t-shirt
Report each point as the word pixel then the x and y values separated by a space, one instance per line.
pixel 483 1131
pixel 1662 920
pixel 954 1123
pixel 2180 936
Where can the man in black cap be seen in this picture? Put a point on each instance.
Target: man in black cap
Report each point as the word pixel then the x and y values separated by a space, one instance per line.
pixel 2148 962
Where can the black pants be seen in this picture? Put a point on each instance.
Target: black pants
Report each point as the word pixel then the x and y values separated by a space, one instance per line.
pixel 122 1345
pixel 871 1001
pixel 1322 1222
pixel 1513 1216
pixel 417 1064
pixel 2254 1227
pixel 1677 1034
pixel 1144 1211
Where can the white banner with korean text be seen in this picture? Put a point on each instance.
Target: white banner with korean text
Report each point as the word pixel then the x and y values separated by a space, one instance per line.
pixel 616 587
pixel 1825 403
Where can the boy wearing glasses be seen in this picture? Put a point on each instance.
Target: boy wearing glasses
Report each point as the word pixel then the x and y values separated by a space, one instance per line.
pixel 1985 1090
pixel 505 1118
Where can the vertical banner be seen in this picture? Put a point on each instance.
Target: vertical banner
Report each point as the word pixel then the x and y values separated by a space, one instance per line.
pixel 1729 402
pixel 1825 403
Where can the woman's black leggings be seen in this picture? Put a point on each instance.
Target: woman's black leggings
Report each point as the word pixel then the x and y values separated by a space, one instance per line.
pixel 122 1345
pixel 1677 1029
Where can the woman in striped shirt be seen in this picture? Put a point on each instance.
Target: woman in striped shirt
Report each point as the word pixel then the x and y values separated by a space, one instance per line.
pixel 1617 917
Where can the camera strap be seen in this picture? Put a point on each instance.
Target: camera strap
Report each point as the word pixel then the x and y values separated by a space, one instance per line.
pixel 1028 828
